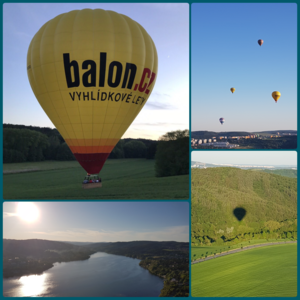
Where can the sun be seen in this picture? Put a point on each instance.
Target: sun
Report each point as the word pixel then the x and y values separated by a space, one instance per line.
pixel 27 211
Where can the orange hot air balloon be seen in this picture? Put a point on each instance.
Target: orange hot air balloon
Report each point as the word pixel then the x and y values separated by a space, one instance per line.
pixel 260 42
pixel 232 90
pixel 92 71
pixel 276 96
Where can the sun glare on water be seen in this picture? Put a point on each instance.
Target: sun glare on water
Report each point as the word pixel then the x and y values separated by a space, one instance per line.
pixel 27 211
pixel 33 285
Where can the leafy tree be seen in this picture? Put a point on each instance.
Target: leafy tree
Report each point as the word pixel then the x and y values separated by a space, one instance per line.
pixel 118 151
pixel 151 150
pixel 172 154
pixel 10 156
pixel 174 135
pixel 64 153
pixel 28 142
pixel 134 149
pixel 51 151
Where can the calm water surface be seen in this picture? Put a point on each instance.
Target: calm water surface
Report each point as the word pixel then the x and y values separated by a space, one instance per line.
pixel 103 275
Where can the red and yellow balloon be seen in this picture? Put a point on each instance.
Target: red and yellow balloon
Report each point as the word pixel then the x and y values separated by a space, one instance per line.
pixel 92 71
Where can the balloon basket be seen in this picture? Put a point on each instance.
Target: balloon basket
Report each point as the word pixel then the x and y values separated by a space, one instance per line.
pixel 91 185
pixel 91 182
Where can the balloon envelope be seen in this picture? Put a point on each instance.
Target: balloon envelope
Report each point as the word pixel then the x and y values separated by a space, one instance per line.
pixel 92 72
pixel 222 120
pixel 232 90
pixel 260 42
pixel 276 95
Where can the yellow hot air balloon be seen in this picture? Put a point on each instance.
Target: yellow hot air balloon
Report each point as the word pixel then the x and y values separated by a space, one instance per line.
pixel 276 96
pixel 232 90
pixel 92 72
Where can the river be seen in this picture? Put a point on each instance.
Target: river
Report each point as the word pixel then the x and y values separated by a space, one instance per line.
pixel 103 275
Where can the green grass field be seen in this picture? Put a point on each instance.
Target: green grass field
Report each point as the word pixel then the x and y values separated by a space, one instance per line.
pixel 197 251
pixel 121 179
pixel 263 272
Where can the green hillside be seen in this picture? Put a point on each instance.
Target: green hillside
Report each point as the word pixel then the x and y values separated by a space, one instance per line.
pixel 283 172
pixel 270 202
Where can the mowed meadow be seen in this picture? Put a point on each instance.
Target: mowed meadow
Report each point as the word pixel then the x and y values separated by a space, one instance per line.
pixel 269 271
pixel 199 252
pixel 121 179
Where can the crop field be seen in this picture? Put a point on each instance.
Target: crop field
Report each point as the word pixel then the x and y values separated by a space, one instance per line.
pixel 202 251
pixel 263 272
pixel 121 179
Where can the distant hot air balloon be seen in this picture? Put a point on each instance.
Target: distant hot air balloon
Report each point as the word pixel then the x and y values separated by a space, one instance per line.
pixel 260 42
pixel 92 72
pixel 222 120
pixel 232 90
pixel 276 96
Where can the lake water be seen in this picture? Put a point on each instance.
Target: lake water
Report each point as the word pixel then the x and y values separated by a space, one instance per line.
pixel 103 275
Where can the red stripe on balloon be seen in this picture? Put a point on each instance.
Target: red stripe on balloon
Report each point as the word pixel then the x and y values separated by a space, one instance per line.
pixel 92 162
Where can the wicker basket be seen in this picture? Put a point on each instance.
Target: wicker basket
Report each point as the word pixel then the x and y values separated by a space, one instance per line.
pixel 92 185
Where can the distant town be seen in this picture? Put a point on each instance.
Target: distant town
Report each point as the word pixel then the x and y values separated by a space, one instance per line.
pixel 236 141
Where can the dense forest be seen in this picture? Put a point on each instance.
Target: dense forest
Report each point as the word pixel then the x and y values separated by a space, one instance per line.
pixel 168 260
pixel 283 172
pixel 269 201
pixel 27 143
pixel 31 144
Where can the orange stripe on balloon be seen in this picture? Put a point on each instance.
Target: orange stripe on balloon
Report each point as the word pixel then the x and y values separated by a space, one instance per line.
pixel 91 142
pixel 91 149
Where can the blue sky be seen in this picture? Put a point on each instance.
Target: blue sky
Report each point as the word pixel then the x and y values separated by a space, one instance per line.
pixel 225 54
pixel 100 221
pixel 167 108
pixel 246 157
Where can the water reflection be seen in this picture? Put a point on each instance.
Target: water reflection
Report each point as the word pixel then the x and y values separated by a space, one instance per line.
pixel 32 285
pixel 103 275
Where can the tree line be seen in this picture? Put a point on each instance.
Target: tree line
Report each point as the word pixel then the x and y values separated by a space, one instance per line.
pixel 32 144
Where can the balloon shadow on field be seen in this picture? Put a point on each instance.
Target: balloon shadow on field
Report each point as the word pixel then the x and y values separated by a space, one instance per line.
pixel 239 213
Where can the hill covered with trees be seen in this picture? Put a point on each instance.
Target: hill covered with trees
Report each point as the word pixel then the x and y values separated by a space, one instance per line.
pixel 26 257
pixel 269 201
pixel 283 172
